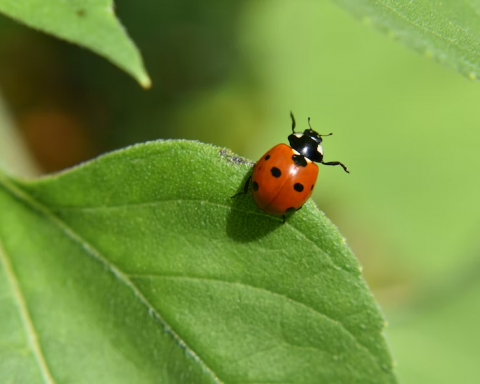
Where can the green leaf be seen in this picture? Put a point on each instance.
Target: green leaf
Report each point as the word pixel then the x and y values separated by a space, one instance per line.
pixel 447 30
pixel 138 267
pixel 90 23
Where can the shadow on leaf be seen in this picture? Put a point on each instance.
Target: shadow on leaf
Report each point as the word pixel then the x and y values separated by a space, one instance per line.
pixel 245 222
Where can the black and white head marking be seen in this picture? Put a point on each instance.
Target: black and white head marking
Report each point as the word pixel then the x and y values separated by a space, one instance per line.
pixel 320 149
pixel 308 145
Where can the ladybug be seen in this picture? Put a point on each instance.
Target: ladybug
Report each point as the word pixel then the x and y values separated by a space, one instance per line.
pixel 284 178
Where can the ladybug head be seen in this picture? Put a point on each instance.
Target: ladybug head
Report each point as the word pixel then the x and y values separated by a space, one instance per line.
pixel 307 143
pixel 313 134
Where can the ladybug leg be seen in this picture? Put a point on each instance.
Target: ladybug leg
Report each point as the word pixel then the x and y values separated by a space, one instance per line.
pixel 336 163
pixel 283 216
pixel 245 188
pixel 293 122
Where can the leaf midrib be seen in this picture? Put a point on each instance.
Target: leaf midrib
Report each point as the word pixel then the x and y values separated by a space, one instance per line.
pixel 123 278
pixel 225 206
pixel 265 290
pixel 27 322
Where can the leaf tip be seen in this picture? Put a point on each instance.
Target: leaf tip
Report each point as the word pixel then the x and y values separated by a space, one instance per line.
pixel 145 81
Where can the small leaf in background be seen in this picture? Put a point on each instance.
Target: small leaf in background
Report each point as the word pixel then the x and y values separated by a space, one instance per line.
pixel 138 267
pixel 91 24
pixel 448 30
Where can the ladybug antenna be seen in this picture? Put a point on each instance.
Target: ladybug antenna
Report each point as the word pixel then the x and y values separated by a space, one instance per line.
pixel 330 134
pixel 293 122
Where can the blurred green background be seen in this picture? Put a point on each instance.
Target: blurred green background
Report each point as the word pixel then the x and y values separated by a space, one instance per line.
pixel 229 73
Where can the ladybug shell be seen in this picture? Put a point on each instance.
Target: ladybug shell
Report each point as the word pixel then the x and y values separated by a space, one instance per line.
pixel 279 185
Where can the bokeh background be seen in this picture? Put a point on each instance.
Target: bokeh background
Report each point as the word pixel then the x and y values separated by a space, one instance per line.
pixel 228 73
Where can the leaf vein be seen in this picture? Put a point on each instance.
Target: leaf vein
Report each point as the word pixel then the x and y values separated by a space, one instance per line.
pixel 25 316
pixel 96 255
pixel 263 289
pixel 434 33
pixel 226 206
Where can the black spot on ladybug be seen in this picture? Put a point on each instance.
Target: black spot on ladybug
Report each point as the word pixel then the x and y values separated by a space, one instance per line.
pixel 276 172
pixel 267 157
pixel 311 189
pixel 298 187
pixel 291 209
pixel 299 160
pixel 255 186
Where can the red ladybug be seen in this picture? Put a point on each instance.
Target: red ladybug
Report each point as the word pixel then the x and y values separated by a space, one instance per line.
pixel 284 178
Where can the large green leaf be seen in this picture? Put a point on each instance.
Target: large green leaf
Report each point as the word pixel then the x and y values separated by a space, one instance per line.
pixel 91 23
pixel 138 267
pixel 447 30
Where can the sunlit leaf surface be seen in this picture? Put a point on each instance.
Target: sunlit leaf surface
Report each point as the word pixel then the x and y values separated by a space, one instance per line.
pixel 137 267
